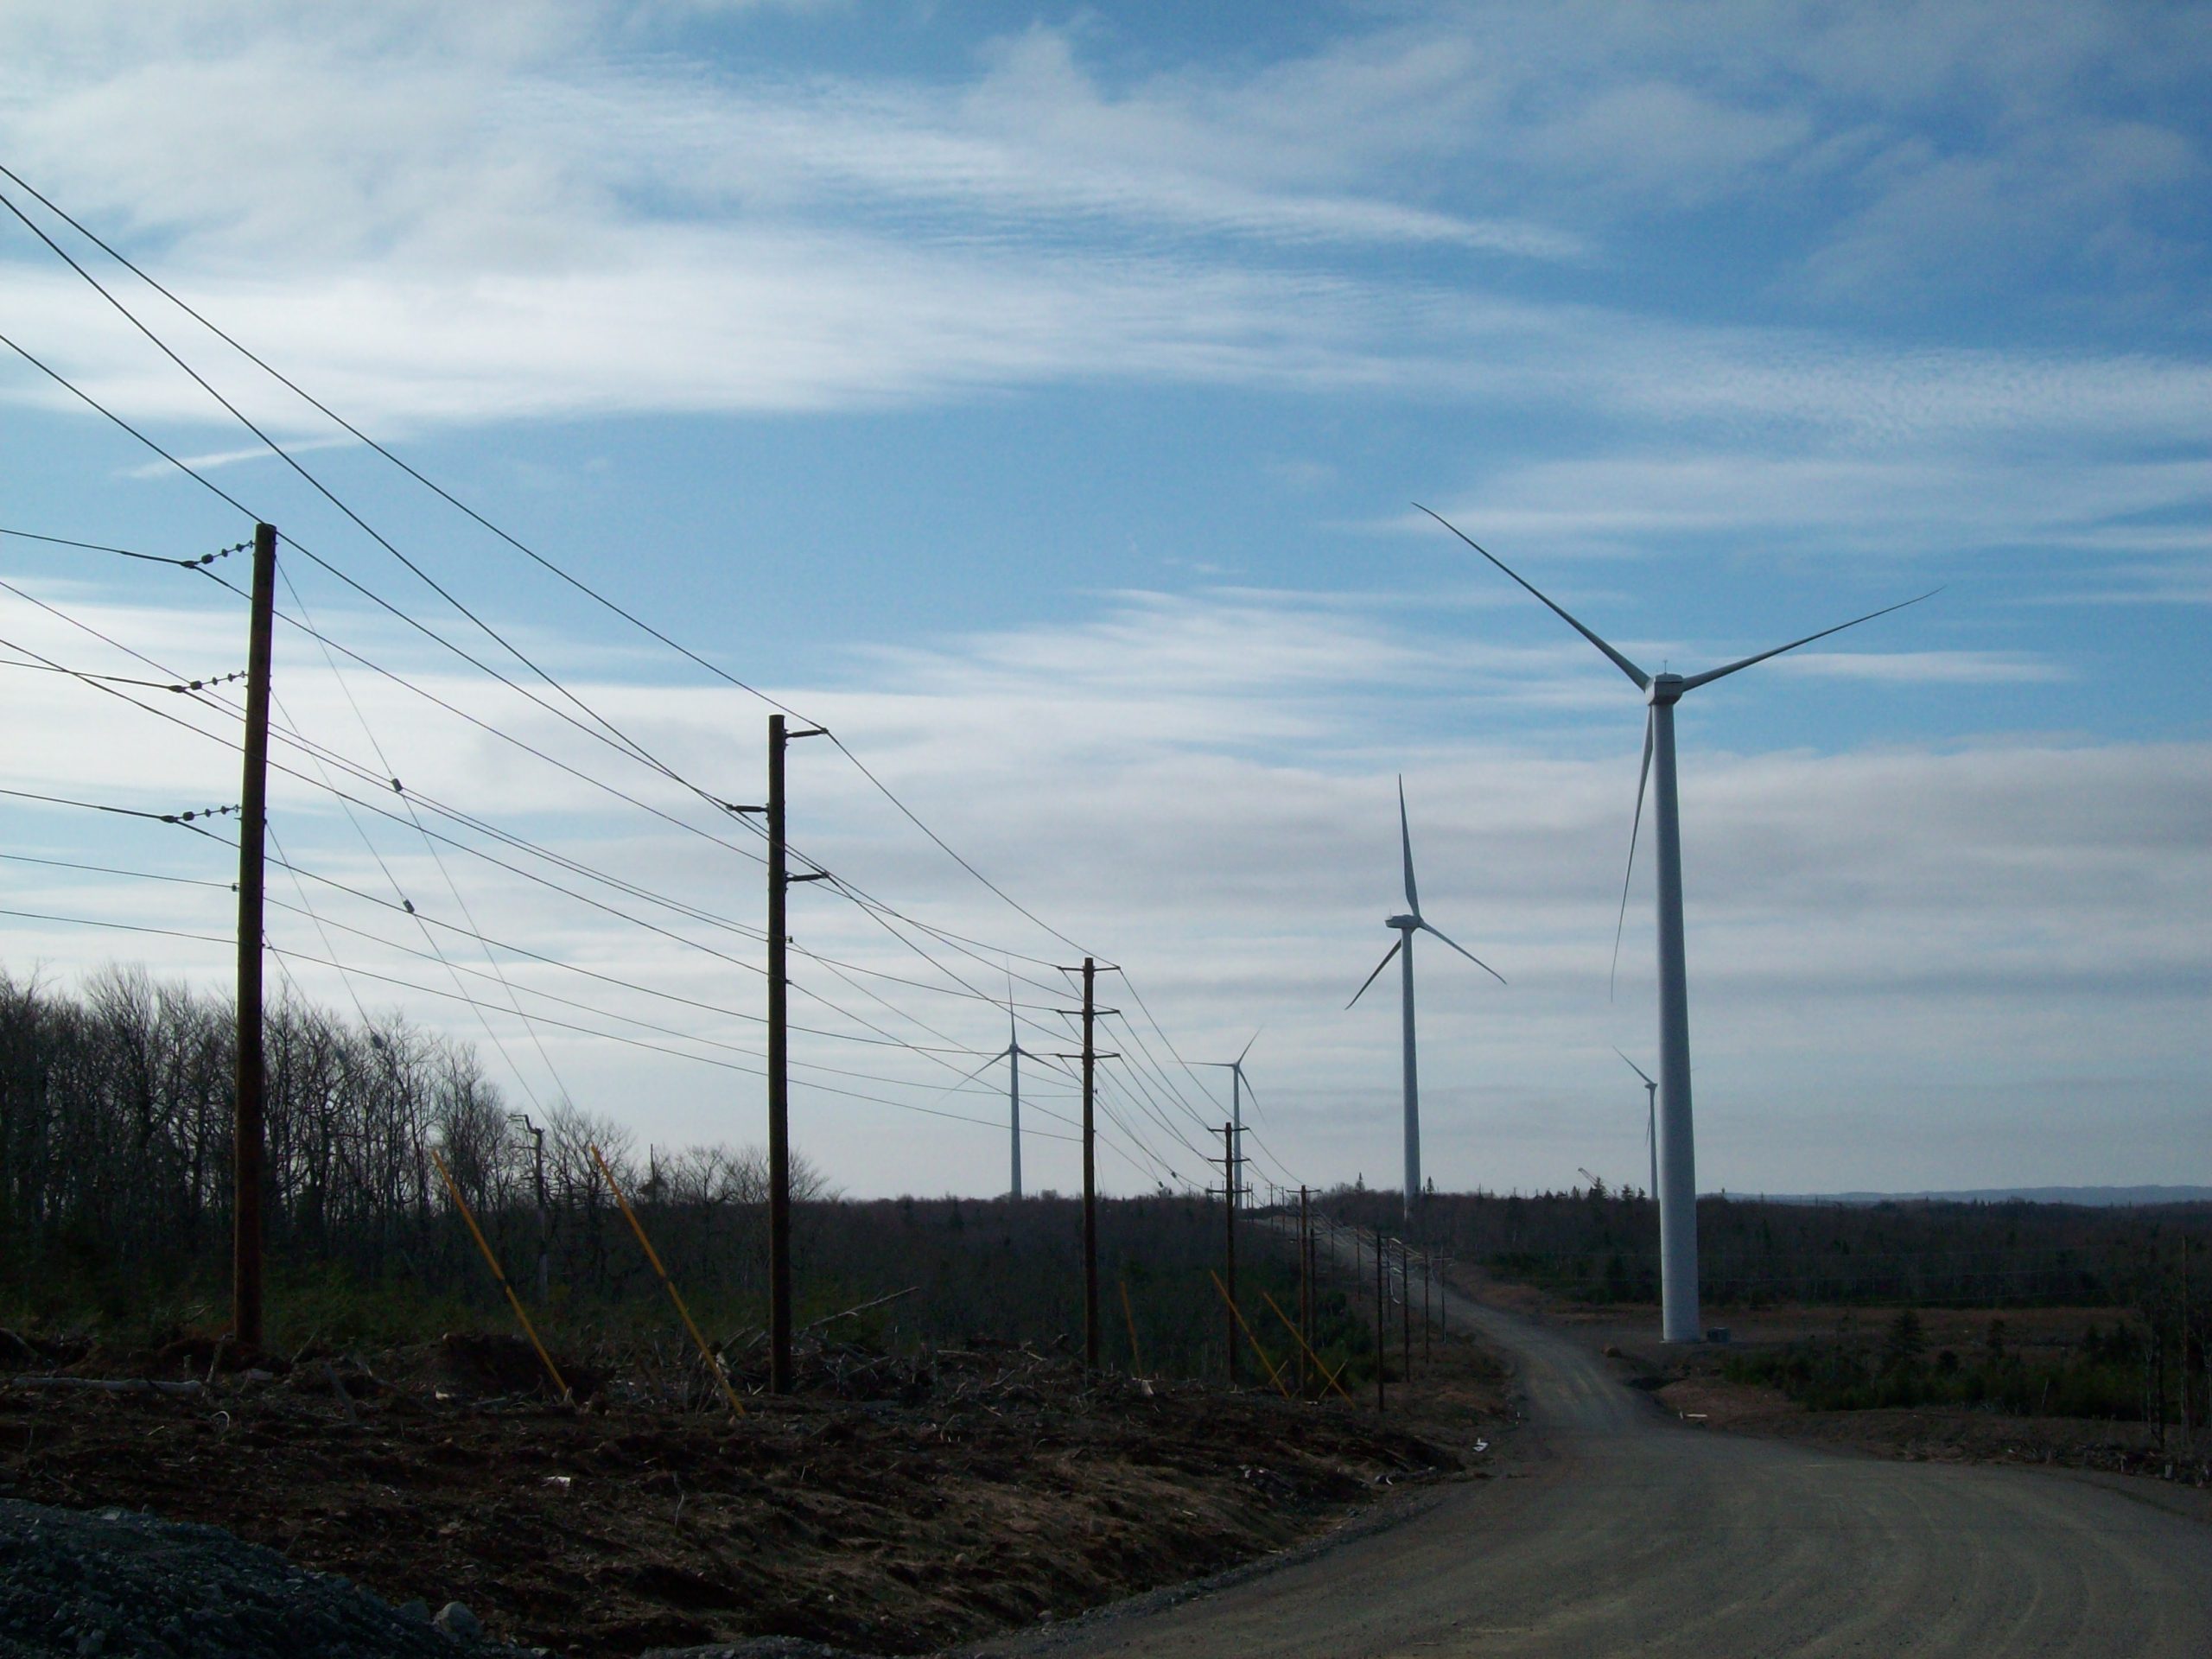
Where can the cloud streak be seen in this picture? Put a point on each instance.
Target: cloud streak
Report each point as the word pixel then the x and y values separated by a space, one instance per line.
pixel 1987 908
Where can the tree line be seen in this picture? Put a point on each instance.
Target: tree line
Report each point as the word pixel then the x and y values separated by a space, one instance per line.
pixel 115 1101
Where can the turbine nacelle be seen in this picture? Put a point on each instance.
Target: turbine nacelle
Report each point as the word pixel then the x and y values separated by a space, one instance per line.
pixel 1665 689
pixel 1404 923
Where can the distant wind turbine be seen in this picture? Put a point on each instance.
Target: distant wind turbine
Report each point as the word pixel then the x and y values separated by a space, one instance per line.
pixel 1677 1158
pixel 1650 1120
pixel 1407 926
pixel 1012 1054
pixel 1237 1089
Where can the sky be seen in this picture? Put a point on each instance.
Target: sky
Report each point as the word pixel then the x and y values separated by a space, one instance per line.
pixel 1040 397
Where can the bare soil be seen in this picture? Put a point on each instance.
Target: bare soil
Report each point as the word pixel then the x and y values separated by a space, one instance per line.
pixel 978 1492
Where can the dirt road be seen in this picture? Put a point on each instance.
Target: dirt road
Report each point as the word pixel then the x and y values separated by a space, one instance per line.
pixel 1618 1530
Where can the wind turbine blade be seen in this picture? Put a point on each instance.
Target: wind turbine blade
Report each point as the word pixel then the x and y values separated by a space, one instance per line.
pixel 1247 1048
pixel 1643 680
pixel 1711 675
pixel 972 1075
pixel 1379 967
pixel 1428 928
pixel 1406 838
pixel 1634 1067
pixel 1620 924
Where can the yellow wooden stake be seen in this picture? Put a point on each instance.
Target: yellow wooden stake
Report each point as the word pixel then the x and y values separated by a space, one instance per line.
pixel 498 1273
pixel 654 1256
pixel 1327 1376
pixel 1136 1359
pixel 1275 1376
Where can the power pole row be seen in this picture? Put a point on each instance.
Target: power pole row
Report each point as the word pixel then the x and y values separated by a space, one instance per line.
pixel 250 1100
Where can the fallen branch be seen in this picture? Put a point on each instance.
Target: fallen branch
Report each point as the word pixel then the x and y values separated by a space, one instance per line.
pixel 862 1308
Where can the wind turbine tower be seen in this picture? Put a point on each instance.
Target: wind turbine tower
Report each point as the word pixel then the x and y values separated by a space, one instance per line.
pixel 1012 1054
pixel 1409 924
pixel 1677 1172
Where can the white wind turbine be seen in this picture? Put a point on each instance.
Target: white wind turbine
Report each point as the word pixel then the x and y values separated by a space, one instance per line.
pixel 1237 1089
pixel 1650 1120
pixel 1012 1054
pixel 1407 926
pixel 1677 1171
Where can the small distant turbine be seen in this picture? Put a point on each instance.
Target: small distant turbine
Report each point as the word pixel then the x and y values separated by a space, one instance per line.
pixel 1238 1083
pixel 1407 926
pixel 1012 1054
pixel 1650 1120
pixel 1237 1087
pixel 1678 1169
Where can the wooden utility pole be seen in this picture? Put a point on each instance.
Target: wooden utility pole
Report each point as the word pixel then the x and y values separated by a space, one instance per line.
pixel 544 1270
pixel 1406 1302
pixel 247 1176
pixel 1091 1013
pixel 779 1083
pixel 1090 1163
pixel 1382 1331
pixel 1230 1163
pixel 1305 1283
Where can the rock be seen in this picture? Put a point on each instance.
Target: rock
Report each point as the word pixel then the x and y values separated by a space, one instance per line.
pixel 457 1621
pixel 118 1583
pixel 417 1608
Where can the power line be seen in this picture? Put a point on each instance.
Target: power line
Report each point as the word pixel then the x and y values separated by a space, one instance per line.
pixel 205 559
pixel 541 560
pixel 183 819
pixel 612 1037
pixel 109 869
pixel 121 927
pixel 620 739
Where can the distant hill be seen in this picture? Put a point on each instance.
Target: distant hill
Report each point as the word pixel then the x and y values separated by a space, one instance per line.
pixel 2109 1197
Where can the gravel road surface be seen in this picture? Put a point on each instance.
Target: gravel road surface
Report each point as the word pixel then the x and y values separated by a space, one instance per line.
pixel 1618 1530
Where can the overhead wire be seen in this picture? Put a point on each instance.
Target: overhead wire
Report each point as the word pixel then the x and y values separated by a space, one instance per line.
pixel 634 1042
pixel 620 739
pixel 486 524
pixel 430 846
pixel 110 869
pixel 125 552
pixel 363 774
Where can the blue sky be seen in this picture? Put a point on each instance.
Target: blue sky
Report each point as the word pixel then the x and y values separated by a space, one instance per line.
pixel 1040 395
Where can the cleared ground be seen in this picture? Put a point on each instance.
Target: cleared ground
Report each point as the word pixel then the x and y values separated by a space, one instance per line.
pixel 1620 1529
pixel 976 1493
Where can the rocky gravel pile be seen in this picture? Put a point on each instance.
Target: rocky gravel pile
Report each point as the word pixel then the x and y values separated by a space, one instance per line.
pixel 122 1586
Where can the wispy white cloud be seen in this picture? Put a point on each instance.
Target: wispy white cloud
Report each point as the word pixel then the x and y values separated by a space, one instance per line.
pixel 1902 922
